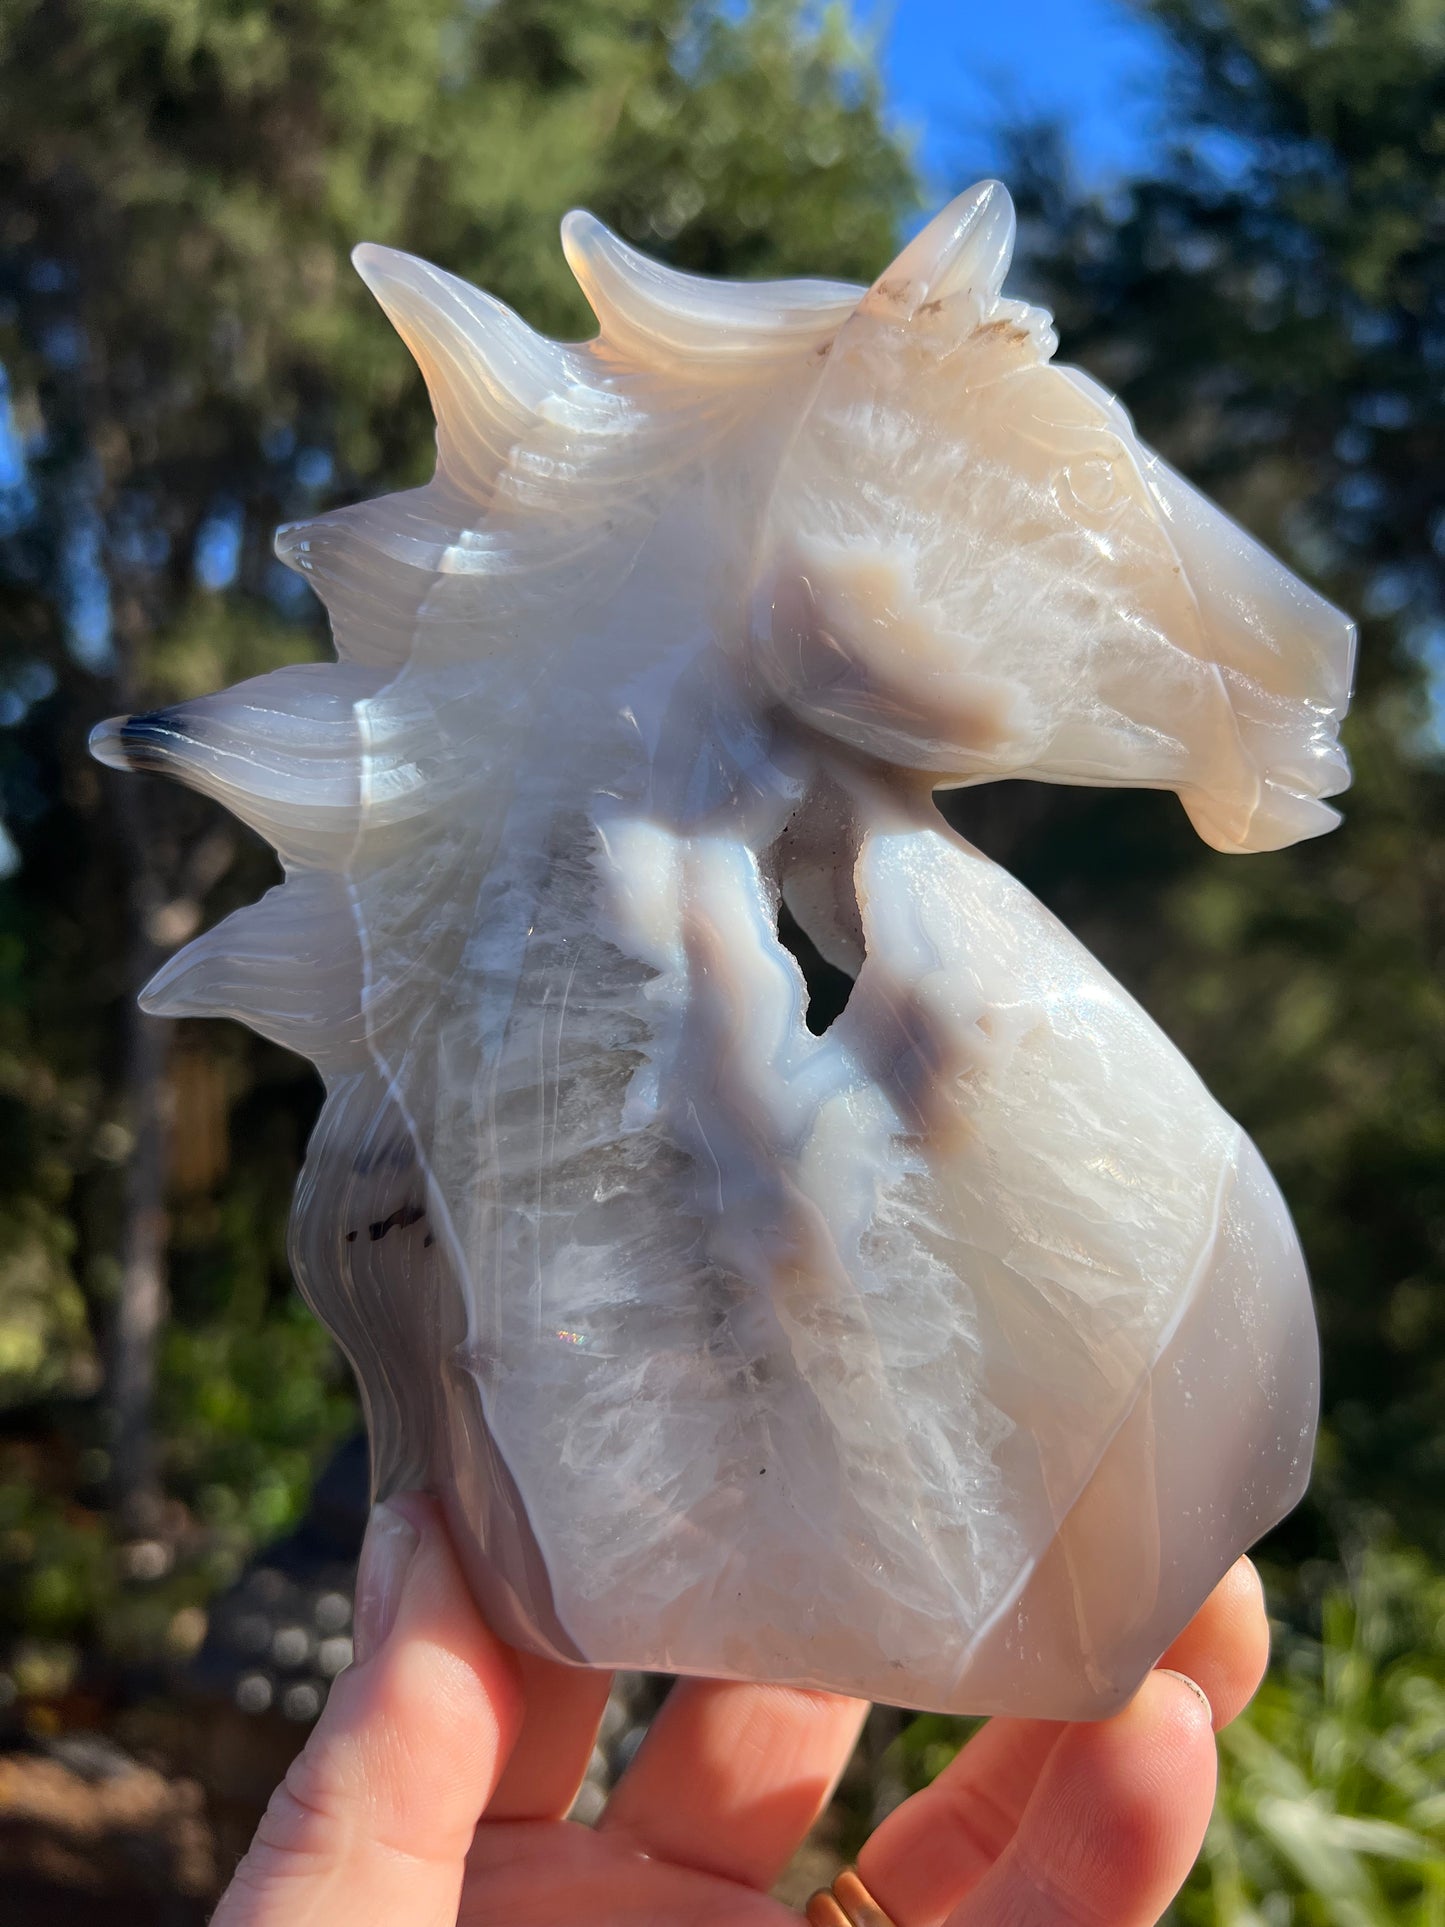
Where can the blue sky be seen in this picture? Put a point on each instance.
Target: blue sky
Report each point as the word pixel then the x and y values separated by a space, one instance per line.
pixel 955 67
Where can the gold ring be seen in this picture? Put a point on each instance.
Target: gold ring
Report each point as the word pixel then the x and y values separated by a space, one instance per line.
pixel 847 1903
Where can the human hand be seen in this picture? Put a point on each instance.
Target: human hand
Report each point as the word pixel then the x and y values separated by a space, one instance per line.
pixel 432 1791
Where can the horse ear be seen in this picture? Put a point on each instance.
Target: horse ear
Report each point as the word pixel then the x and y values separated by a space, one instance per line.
pixel 962 255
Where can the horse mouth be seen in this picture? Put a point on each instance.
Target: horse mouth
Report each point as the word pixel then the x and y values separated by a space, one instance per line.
pixel 1323 770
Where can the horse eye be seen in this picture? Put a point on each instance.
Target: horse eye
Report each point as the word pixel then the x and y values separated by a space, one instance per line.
pixel 1091 484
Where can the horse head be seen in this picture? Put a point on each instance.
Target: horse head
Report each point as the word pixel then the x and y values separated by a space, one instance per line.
pixel 974 568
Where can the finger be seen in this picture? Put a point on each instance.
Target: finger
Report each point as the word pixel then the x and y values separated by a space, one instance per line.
pixel 929 1852
pixel 373 1821
pixel 1115 1822
pixel 1226 1644
pixel 549 1761
pixel 731 1777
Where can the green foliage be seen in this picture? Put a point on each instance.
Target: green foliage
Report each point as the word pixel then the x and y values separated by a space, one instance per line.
pixel 1332 1803
pixel 45 1343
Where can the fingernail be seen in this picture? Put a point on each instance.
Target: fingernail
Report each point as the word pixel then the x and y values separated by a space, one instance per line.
pixel 1194 1687
pixel 386 1554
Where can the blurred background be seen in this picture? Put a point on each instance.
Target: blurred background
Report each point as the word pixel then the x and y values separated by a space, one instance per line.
pixel 1237 210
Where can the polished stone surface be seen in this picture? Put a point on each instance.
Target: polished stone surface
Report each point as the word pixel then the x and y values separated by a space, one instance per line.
pixel 949 1356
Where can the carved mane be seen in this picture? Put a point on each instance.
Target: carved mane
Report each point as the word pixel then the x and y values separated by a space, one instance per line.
pixel 543 446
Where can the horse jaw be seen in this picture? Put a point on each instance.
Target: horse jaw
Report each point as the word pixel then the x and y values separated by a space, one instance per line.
pixel 1286 658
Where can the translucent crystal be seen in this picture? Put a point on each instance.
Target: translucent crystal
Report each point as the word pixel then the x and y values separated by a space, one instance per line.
pixel 951 1355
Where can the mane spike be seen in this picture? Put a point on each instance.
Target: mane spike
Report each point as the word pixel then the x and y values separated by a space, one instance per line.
pixel 279 751
pixel 285 965
pixel 489 375
pixel 373 564
pixel 652 315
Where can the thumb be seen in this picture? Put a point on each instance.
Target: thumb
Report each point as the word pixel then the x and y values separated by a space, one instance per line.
pixel 373 1821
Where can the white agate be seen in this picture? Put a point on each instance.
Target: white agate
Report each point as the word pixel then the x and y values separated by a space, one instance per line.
pixel 948 1357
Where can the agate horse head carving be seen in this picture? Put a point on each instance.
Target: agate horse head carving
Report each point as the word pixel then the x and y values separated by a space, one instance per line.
pixel 949 1356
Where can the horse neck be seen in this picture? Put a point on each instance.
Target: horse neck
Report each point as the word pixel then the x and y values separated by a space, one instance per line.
pixel 650 697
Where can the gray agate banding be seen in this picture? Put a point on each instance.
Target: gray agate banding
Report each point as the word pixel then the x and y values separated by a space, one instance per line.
pixel 948 1356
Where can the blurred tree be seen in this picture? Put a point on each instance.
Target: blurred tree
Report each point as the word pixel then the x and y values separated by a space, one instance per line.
pixel 189 363
pixel 1271 305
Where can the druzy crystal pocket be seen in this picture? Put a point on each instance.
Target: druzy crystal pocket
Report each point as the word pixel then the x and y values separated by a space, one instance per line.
pixel 948 1356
